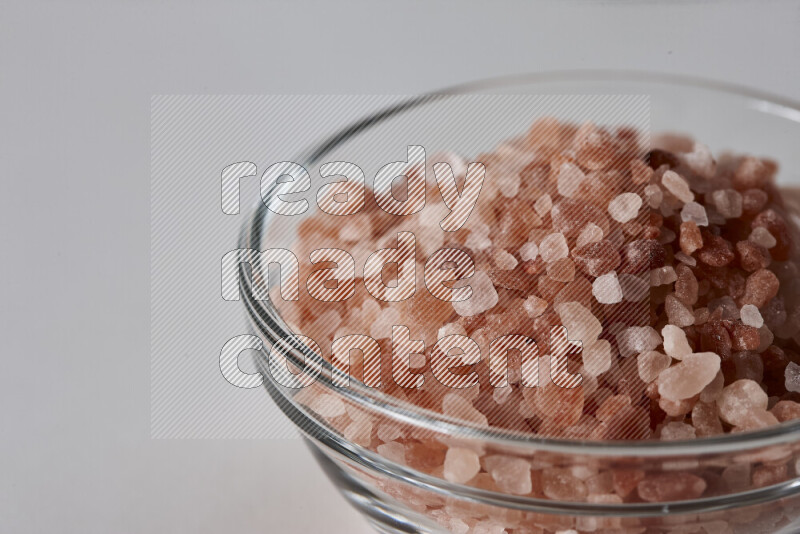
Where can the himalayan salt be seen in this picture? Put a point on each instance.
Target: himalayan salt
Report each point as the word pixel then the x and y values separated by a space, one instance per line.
pixel 665 487
pixel 751 316
pixel 653 195
pixel 591 233
pixel 690 239
pixel 677 312
pixel 503 260
pixel 662 276
pixel 728 203
pixel 748 365
pixel 637 339
pixel 529 251
pixel 328 406
pixel 626 480
pixel 569 180
pixel 553 247
pixel 752 256
pixel 389 432
pixel 393 451
pixel 689 376
pixel 651 363
pixel 597 258
pixel 675 342
pixel 579 322
pixel 543 205
pixel 359 432
pixel 634 288
pixel 701 161
pixel 678 186
pixel 737 477
pixel 484 296
pixel 760 287
pixel 450 329
pixel 458 407
pixel 560 485
pixel 625 207
pixel 478 241
pixel 761 236
pixel 512 475
pixel 705 420
pixel 786 410
pixel 792 375
pixel 606 289
pixel 686 260
pixel 740 400
pixel 694 212
pixel 461 465
pixel 713 390
pixel 676 431
pixel 601 483
pixel 534 306
pixel 488 527
pixel 597 357
pixel 562 270
pixel 717 251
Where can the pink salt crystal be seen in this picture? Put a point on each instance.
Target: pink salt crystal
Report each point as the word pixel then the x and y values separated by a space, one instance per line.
pixel 662 276
pixel 756 420
pixel 653 195
pixel 625 207
pixel 676 431
pixel 694 212
pixel 562 270
pixel 728 203
pixel 359 432
pixel 676 185
pixel 666 487
pixel 604 498
pixel 553 247
pixel 460 465
pixel 739 400
pixel 560 485
pixel 389 432
pixel 683 258
pixel 677 312
pixel 570 177
pixel 328 406
pixel 786 410
pixel 705 419
pixel 382 326
pixel 737 477
pixel 591 233
pixel 606 289
pixel 503 260
pixel 392 451
pixel 634 288
pixel 488 527
pixel 512 475
pixel 751 316
pixel 534 306
pixel 792 375
pixel 528 251
pixel 701 161
pixel 459 407
pixel 675 343
pixel 484 296
pixel 580 323
pixel 478 240
pixel 689 376
pixel 501 395
pixel 637 339
pixel 650 364
pixel 761 236
pixel 713 390
pixel 597 357
pixel 543 205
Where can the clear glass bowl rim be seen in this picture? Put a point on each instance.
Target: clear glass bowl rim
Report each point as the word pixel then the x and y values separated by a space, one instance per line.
pixel 266 319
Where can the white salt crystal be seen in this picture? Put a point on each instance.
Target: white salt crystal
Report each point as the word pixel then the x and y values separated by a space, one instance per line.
pixel 625 207
pixel 570 178
pixel 591 233
pixel 701 161
pixel 460 464
pixel 761 236
pixel 662 276
pixel 528 251
pixel 653 195
pixel 792 376
pixel 484 296
pixel 553 247
pixel 675 343
pixel 728 203
pixel 634 288
pixel 695 213
pixel 606 289
pixel 543 205
pixel 751 316
pixel 676 185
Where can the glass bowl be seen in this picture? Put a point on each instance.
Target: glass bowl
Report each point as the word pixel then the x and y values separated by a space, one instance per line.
pixel 751 480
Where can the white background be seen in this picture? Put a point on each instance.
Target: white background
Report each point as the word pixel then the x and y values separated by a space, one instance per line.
pixel 75 82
